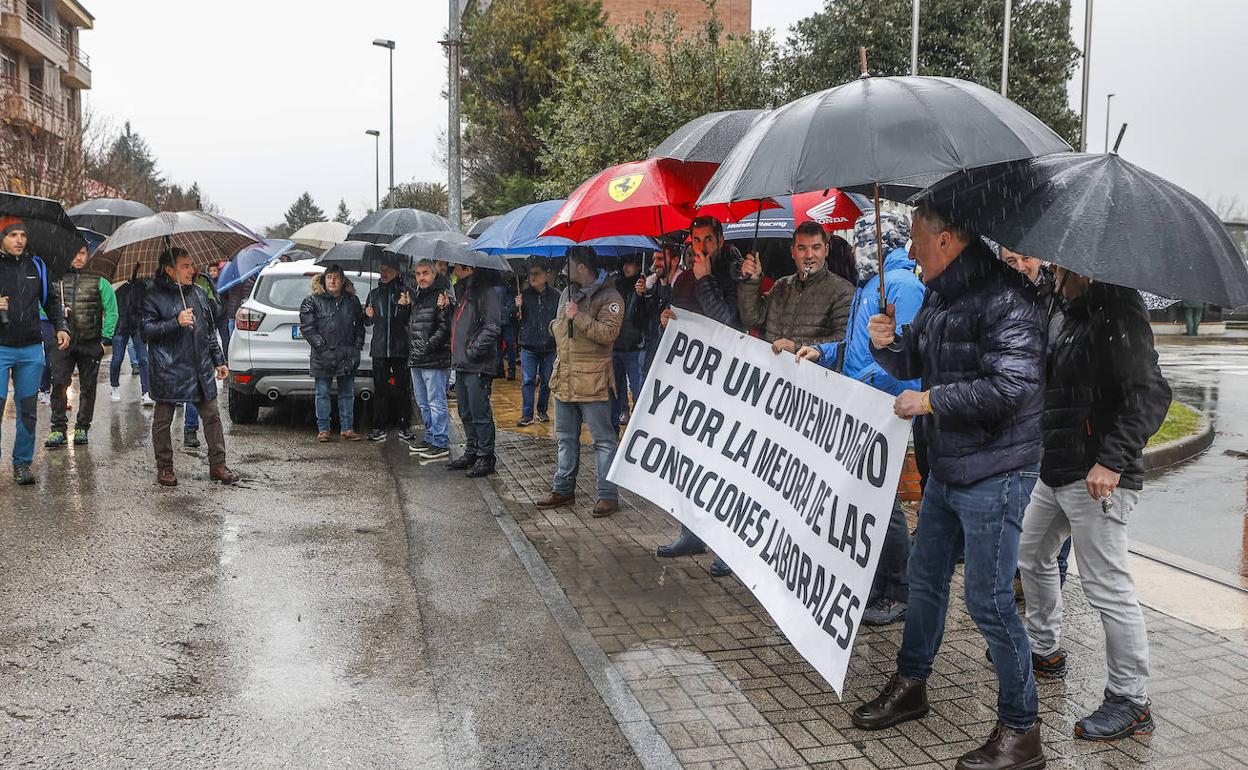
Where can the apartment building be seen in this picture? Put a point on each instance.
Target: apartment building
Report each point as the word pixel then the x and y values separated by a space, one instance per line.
pixel 43 71
pixel 733 14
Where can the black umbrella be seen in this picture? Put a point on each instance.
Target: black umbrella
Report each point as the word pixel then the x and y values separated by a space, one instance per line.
pixel 50 233
pixel 455 248
pixel 385 225
pixel 357 256
pixel 481 225
pixel 886 136
pixel 709 138
pixel 105 215
pixel 1104 218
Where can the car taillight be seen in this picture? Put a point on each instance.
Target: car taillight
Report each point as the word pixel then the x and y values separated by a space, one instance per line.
pixel 242 379
pixel 247 320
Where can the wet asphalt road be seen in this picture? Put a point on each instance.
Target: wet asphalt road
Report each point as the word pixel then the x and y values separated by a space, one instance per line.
pixel 343 607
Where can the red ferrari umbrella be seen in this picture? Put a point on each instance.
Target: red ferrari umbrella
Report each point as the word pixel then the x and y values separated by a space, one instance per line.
pixel 831 208
pixel 647 197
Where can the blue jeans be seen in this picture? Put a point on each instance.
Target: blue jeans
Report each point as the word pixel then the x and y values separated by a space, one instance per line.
pixel 568 420
pixel 985 519
pixel 26 365
pixel 429 387
pixel 138 353
pixel 627 367
pixel 346 402
pixel 190 416
pixel 535 366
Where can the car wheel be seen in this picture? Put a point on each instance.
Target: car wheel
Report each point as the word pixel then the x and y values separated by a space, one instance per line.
pixel 244 409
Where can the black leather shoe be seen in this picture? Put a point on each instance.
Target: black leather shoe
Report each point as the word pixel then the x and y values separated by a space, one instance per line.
pixel 719 568
pixel 464 462
pixel 685 545
pixel 901 700
pixel 1007 749
pixel 484 466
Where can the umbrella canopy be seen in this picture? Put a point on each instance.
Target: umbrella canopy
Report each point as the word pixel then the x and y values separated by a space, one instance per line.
pixel 833 209
pixel 50 233
pixel 136 247
pixel 1104 218
pixel 902 133
pixel 105 215
pixel 321 236
pixel 250 261
pixel 92 238
pixel 647 197
pixel 709 138
pixel 480 225
pixel 358 256
pixel 519 233
pixel 455 248
pixel 384 225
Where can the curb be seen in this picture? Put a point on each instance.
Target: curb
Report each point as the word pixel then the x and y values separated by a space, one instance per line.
pixel 1181 449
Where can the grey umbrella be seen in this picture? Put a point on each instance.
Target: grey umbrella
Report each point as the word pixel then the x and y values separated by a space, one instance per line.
pixel 138 244
pixel 359 256
pixel 385 225
pixel 708 138
pixel 481 225
pixel 105 215
pixel 1104 218
pixel 452 247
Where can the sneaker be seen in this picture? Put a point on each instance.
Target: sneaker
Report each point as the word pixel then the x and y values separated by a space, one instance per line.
pixel 45 397
pixel 146 400
pixel 434 453
pixel 419 447
pixel 407 434
pixel 883 611
pixel 190 438
pixel 1117 718
pixel 80 437
pixel 114 395
pixel 22 475
pixel 1045 666
pixel 377 434
pixel 56 440
pixel 524 422
pixel 543 417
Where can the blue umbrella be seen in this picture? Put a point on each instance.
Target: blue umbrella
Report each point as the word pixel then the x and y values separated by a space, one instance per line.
pixel 250 261
pixel 518 233
pixel 92 238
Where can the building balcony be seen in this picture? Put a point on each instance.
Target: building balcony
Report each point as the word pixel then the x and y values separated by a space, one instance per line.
pixel 30 32
pixel 24 105
pixel 78 73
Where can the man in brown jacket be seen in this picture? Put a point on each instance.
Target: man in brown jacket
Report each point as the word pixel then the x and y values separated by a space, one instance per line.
pixel 585 327
pixel 806 308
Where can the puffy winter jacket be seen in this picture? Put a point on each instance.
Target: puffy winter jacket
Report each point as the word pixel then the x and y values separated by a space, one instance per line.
pixel 1105 395
pixel 389 320
pixel 334 327
pixel 92 306
pixel 807 312
pixel 180 359
pixel 582 371
pixel 475 327
pixel 633 322
pixel 714 296
pixel 536 313
pixel 978 343
pixel 429 327
pixel 905 293
pixel 22 281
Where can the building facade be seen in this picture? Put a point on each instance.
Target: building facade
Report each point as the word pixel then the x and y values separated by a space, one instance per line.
pixel 733 14
pixel 43 71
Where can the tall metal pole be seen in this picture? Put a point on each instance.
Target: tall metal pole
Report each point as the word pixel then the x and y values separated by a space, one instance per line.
pixel 1108 98
pixel 391 123
pixel 1087 75
pixel 376 165
pixel 1005 50
pixel 454 192
pixel 914 40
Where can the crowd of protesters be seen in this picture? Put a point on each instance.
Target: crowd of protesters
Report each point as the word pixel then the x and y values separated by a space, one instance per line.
pixel 1033 391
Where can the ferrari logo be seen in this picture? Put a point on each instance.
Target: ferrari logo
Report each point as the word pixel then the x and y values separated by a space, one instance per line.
pixel 623 186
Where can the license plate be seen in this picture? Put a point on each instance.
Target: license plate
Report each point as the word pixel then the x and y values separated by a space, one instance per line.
pixel 294 333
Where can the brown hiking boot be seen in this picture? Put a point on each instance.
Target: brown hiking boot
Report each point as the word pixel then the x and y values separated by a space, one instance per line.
pixel 604 508
pixel 554 500
pixel 1007 749
pixel 900 701
pixel 323 437
pixel 350 435
pixel 223 474
pixel 166 478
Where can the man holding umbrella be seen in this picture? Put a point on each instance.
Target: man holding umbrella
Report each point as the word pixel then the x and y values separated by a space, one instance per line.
pixel 388 316
pixel 24 288
pixel 183 355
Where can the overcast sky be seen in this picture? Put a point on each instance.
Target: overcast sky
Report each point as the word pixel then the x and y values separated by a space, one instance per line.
pixel 260 100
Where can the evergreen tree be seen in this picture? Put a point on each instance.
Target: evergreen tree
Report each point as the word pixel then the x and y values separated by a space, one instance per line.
pixel 303 212
pixel 344 214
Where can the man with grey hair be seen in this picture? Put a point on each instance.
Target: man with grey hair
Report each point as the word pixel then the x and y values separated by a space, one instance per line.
pixel 977 344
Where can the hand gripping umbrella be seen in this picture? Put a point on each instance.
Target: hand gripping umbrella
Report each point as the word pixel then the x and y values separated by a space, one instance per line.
pixel 887 136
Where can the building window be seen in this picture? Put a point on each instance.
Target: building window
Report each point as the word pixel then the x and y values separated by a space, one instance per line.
pixel 8 64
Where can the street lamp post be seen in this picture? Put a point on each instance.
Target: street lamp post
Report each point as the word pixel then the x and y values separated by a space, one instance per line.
pixel 914 40
pixel 1108 98
pixel 453 183
pixel 389 44
pixel 1087 76
pixel 376 164
pixel 1005 50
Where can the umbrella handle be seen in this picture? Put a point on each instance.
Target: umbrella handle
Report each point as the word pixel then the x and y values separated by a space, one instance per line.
pixel 879 238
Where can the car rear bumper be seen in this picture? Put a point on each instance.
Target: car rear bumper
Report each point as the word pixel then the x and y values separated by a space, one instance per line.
pixel 273 385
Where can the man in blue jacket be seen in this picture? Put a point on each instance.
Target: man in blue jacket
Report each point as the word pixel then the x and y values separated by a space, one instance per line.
pixel 890 591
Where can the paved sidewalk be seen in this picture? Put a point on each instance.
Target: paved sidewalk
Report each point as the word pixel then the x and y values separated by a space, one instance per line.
pixel 726 690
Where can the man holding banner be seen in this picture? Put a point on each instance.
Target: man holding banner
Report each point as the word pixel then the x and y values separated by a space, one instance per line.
pixel 978 344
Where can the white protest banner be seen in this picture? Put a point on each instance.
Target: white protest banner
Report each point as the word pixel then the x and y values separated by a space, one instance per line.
pixel 788 471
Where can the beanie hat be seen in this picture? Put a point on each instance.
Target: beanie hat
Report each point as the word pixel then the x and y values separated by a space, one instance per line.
pixel 10 224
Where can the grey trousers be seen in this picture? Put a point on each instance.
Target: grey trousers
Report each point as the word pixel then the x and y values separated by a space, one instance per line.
pixel 1100 538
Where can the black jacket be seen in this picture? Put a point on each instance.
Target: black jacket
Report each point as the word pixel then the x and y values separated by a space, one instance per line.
pixel 21 283
pixel 633 325
pixel 476 327
pixel 180 359
pixel 1105 395
pixel 334 327
pixel 389 320
pixel 129 307
pixel 428 327
pixel 978 343
pixel 714 296
pixel 658 298
pixel 539 309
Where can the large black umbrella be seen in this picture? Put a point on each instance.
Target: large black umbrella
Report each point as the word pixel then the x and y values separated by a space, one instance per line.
pixel 105 215
pixel 358 256
pixel 1104 218
pixel 50 233
pixel 384 225
pixel 455 248
pixel 708 138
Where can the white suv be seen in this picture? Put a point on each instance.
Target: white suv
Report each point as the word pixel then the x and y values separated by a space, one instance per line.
pixel 268 357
